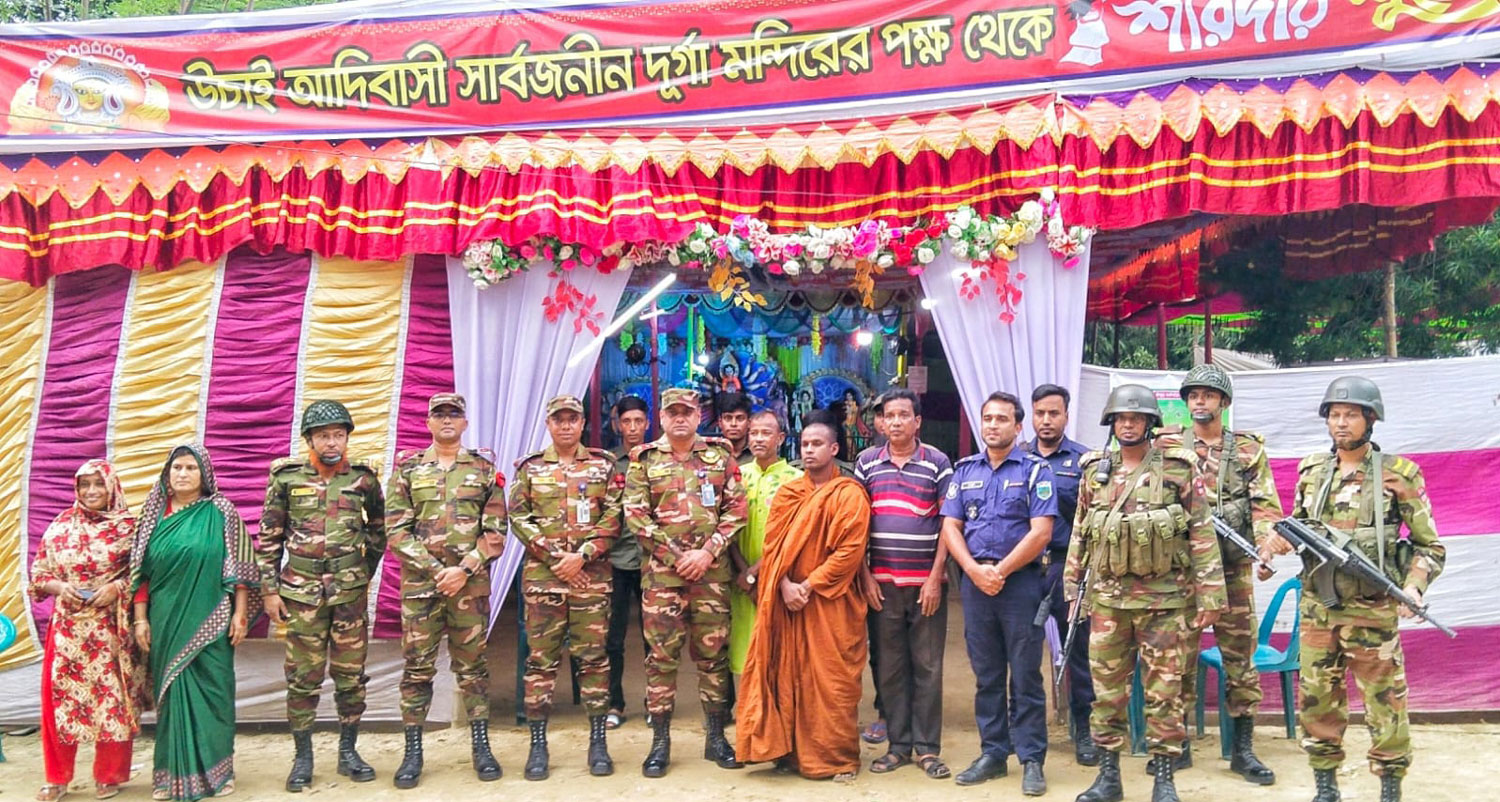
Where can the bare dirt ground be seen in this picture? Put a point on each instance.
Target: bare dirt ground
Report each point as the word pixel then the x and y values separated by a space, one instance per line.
pixel 1453 762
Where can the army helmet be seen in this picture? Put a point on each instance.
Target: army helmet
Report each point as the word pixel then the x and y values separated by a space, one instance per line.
pixel 1210 377
pixel 324 413
pixel 1131 398
pixel 1356 390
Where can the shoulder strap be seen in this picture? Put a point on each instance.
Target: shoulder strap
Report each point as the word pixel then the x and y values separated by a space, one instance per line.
pixel 1227 452
pixel 1378 501
pixel 1132 483
pixel 1320 496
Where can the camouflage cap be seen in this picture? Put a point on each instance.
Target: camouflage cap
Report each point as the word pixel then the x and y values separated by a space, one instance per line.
pixel 564 402
pixel 679 395
pixel 446 400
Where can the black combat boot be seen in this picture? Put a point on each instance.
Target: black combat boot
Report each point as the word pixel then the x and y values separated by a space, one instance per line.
pixel 1106 787
pixel 351 765
pixel 1327 781
pixel 302 762
pixel 1242 759
pixel 486 768
pixel 1085 751
pixel 600 765
pixel 537 758
pixel 1180 763
pixel 1390 788
pixel 410 770
pixel 715 746
pixel 660 755
pixel 1165 789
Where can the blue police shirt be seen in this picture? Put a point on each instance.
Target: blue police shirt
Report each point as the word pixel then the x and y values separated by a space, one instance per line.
pixel 1065 471
pixel 997 504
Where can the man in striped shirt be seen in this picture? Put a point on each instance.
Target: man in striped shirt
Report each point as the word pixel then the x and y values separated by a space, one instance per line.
pixel 906 480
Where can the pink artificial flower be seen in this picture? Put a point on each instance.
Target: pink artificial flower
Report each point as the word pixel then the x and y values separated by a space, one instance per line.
pixel 721 249
pixel 569 264
pixel 793 250
pixel 528 252
pixel 586 255
pixel 774 268
pixel 547 252
pixel 693 265
pixel 914 270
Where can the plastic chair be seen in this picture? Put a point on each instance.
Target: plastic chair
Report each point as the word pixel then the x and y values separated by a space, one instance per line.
pixel 1268 659
pixel 7 639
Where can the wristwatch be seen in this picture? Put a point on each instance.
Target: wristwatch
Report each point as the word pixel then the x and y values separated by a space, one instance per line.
pixel 467 570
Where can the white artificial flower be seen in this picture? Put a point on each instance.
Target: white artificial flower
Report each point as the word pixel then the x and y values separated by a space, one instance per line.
pixel 566 252
pixel 1031 214
pixel 1048 195
pixel 791 267
pixel 982 256
pixel 481 283
pixel 885 260
pixel 961 249
pixel 962 216
pixel 673 258
pixel 954 231
pixel 697 245
pixel 925 255
pixel 816 266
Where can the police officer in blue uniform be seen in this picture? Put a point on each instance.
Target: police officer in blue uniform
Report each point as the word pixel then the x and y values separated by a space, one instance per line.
pixel 1049 417
pixel 997 522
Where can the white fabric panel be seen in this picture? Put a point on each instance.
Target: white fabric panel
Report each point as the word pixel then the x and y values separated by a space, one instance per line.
pixel 1283 404
pixel 508 362
pixel 1043 345
pixel 260 687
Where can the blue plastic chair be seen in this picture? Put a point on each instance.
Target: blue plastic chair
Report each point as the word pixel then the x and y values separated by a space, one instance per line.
pixel 1268 659
pixel 7 639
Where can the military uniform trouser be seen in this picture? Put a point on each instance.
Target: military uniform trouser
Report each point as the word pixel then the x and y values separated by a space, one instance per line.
pixel 1117 639
pixel 464 618
pixel 1235 634
pixel 695 614
pixel 1330 650
pixel 323 636
pixel 581 620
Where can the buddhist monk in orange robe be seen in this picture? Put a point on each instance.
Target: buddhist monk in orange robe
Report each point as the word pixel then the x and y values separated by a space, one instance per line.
pixel 799 698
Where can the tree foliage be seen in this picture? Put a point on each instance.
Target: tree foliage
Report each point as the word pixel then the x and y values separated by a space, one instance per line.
pixel 72 10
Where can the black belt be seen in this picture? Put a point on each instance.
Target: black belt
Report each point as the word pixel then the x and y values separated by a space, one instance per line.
pixel 988 561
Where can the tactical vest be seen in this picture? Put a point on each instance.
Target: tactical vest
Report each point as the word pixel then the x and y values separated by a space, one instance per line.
pixel 1377 535
pixel 1147 543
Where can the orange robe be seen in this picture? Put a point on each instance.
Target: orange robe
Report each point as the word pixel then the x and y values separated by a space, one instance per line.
pixel 801 687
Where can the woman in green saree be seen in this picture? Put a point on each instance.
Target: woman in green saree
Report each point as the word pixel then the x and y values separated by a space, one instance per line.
pixel 191 569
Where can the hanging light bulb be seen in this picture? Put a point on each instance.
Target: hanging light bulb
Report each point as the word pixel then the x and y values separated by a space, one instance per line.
pixel 929 303
pixel 863 338
pixel 702 360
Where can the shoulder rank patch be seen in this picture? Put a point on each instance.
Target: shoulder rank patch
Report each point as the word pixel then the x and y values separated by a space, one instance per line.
pixel 1044 489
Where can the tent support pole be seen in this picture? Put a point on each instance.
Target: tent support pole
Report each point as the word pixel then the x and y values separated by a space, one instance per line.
pixel 1390 310
pixel 1208 331
pixel 656 359
pixel 1161 337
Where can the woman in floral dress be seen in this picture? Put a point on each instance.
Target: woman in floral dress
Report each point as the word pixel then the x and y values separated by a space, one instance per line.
pixel 92 680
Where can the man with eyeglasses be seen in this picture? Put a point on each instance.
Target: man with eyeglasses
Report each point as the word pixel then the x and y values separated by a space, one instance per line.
pixel 446 519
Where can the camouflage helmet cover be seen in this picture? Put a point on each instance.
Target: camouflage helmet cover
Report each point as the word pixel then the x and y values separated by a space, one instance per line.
pixel 326 413
pixel 1131 398
pixel 1356 390
pixel 1211 377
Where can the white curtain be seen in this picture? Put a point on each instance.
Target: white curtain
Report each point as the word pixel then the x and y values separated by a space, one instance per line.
pixel 508 361
pixel 1043 345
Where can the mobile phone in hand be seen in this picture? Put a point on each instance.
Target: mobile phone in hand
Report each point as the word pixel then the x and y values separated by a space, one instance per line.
pixel 85 594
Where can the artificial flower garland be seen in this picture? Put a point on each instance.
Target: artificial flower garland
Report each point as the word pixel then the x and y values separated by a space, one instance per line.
pixel 987 242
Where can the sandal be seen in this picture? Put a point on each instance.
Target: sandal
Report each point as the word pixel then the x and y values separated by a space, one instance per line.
pixel 888 762
pixel 51 792
pixel 844 777
pixel 226 789
pixel 102 791
pixel 935 767
pixel 613 719
pixel 875 732
pixel 161 794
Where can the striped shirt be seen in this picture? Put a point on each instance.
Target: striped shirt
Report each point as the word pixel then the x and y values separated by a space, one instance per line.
pixel 904 501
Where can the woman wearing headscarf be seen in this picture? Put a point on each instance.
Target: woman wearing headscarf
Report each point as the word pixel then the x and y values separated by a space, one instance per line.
pixel 191 570
pixel 92 681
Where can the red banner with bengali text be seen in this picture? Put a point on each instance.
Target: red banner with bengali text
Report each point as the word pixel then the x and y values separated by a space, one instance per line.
pixel 389 71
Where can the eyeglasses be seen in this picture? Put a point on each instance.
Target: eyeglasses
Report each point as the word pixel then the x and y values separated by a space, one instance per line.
pixel 449 415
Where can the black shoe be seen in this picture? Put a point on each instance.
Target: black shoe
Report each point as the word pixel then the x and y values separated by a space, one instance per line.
pixel 302 762
pixel 410 770
pixel 660 755
pixel 600 764
pixel 1165 789
pixel 486 768
pixel 1242 759
pixel 537 758
pixel 1327 783
pixel 715 746
pixel 986 767
pixel 1033 782
pixel 1182 762
pixel 1390 788
pixel 351 765
pixel 1106 787
pixel 1085 751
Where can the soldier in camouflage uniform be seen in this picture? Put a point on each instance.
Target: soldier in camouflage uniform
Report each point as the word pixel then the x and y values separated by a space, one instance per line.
pixel 445 512
pixel 328 515
pixel 684 501
pixel 1242 493
pixel 565 509
pixel 1337 488
pixel 1142 531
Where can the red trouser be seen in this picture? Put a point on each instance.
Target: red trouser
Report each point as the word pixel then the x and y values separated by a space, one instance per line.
pixel 111 758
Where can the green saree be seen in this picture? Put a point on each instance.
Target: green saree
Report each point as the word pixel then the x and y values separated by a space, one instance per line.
pixel 190 561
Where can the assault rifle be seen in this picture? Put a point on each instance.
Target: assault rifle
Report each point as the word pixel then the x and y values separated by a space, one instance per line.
pixel 1235 539
pixel 1330 555
pixel 1075 613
